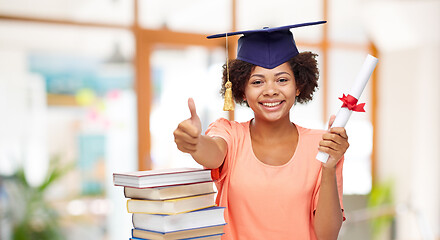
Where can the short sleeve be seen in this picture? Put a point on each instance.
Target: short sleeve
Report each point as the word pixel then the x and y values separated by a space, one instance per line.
pixel 340 184
pixel 339 180
pixel 220 128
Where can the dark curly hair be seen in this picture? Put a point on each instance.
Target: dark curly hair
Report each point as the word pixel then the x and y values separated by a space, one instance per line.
pixel 304 67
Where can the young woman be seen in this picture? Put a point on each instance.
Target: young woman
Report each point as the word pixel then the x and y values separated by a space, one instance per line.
pixel 265 169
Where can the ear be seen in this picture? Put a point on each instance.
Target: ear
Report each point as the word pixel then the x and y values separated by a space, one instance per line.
pixel 297 92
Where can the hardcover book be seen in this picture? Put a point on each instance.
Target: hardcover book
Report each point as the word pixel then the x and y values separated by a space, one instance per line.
pixel 162 177
pixel 163 193
pixel 169 223
pixel 171 206
pixel 216 230
pixel 210 237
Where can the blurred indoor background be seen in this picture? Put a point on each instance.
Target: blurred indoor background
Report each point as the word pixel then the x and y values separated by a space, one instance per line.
pixel 93 87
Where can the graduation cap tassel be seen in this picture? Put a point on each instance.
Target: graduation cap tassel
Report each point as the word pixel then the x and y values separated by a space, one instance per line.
pixel 229 101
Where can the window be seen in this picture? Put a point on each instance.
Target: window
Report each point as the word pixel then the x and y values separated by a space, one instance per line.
pixel 178 74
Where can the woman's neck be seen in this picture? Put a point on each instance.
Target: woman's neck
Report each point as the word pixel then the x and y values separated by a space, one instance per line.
pixel 272 130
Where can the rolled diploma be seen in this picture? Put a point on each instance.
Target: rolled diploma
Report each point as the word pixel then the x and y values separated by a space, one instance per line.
pixel 359 85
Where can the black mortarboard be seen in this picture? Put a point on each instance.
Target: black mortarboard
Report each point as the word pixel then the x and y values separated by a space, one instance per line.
pixel 267 47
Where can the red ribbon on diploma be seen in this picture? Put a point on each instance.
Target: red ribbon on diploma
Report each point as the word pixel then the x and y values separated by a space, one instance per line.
pixel 350 102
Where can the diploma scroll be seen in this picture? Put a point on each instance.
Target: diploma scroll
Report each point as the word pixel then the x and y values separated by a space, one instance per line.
pixel 344 112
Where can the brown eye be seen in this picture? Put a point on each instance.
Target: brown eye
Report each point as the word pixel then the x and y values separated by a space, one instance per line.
pixel 256 82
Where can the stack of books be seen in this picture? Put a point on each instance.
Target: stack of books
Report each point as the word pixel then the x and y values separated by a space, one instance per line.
pixel 172 204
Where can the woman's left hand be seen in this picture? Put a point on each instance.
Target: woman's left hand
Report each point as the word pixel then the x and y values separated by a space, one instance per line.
pixel 335 143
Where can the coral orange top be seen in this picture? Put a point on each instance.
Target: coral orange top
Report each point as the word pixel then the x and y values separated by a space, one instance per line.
pixel 264 201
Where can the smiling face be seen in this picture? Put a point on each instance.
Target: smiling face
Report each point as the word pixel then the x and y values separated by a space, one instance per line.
pixel 271 92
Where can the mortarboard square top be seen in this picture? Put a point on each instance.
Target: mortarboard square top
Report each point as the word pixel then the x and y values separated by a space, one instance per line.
pixel 267 47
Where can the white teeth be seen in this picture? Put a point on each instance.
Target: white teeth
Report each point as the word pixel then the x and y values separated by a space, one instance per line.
pixel 271 104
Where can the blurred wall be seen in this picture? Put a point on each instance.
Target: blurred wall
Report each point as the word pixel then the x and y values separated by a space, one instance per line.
pixel 407 34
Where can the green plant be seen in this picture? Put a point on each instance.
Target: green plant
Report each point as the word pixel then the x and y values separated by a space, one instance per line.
pixel 381 198
pixel 32 215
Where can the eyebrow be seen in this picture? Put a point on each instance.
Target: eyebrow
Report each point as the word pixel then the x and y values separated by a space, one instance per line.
pixel 276 74
pixel 280 73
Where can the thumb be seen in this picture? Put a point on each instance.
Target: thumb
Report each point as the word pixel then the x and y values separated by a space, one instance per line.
pixel 330 121
pixel 192 109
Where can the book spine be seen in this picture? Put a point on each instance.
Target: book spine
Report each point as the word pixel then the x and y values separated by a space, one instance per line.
pixel 125 192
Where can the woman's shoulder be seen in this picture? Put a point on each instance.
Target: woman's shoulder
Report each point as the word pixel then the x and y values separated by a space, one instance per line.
pixel 226 127
pixel 223 122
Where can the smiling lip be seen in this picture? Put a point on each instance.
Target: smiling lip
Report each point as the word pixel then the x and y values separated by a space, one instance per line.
pixel 271 104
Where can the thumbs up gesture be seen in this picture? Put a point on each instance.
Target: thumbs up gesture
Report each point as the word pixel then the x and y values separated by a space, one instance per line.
pixel 187 135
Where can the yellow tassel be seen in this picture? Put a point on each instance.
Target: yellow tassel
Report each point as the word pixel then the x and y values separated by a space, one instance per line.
pixel 229 102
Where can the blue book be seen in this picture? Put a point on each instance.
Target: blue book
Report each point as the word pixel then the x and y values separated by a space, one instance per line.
pixel 208 237
pixel 183 234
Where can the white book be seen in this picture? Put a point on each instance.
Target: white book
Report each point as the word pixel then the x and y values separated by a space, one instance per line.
pixel 162 177
pixel 168 223
pixel 171 206
pixel 170 192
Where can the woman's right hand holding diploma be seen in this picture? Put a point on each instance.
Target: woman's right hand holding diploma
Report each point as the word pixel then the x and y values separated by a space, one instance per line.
pixel 328 214
pixel 335 143
pixel 187 135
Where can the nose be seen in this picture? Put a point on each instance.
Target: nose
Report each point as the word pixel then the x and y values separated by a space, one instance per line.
pixel 271 89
